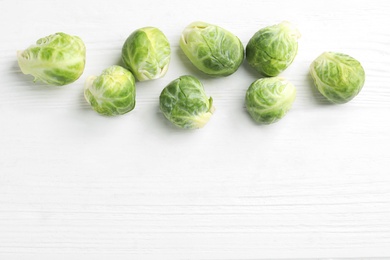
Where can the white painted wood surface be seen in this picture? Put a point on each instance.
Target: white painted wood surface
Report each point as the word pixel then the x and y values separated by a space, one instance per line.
pixel 76 185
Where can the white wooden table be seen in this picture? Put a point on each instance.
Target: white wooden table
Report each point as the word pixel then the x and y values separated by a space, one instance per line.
pixel 76 185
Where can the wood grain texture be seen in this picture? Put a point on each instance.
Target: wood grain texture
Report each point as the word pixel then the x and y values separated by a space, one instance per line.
pixel 75 185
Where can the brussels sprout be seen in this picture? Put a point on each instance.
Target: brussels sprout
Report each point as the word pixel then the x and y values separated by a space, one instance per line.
pixel 146 53
pixel 185 104
pixel 111 93
pixel 269 99
pixel 337 76
pixel 272 49
pixel 212 49
pixel 57 59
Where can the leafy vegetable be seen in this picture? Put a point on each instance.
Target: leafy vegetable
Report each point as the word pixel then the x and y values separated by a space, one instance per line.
pixel 337 76
pixel 147 53
pixel 269 99
pixel 185 104
pixel 111 93
pixel 57 59
pixel 212 49
pixel 272 49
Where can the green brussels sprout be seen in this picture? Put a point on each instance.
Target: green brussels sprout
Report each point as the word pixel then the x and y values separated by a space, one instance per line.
pixel 57 59
pixel 272 49
pixel 147 53
pixel 269 99
pixel 111 93
pixel 185 104
pixel 212 49
pixel 337 76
